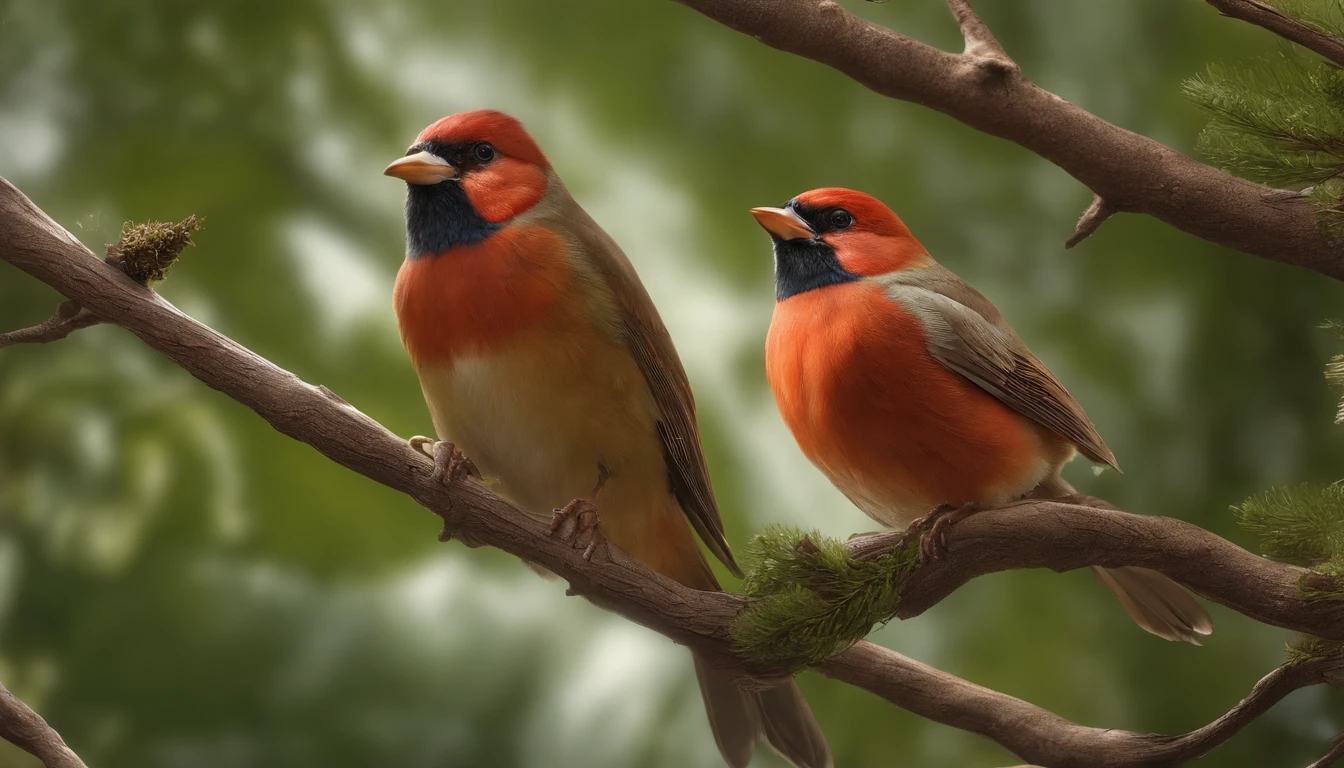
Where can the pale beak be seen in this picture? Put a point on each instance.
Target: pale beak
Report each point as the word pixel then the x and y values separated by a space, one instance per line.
pixel 421 168
pixel 783 223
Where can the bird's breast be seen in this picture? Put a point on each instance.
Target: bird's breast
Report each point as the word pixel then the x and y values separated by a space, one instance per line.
pixel 892 427
pixel 475 298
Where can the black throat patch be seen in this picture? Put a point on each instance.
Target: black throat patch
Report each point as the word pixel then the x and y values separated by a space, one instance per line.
pixel 806 264
pixel 439 216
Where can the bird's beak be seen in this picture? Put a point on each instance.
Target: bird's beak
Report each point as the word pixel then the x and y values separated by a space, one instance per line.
pixel 783 223
pixel 421 168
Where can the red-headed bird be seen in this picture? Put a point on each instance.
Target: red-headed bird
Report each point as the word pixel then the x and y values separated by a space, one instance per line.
pixel 542 358
pixel 910 391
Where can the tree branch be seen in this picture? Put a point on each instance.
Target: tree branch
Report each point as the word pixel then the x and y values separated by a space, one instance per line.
pixel 1131 172
pixel 1042 737
pixel 1263 14
pixel 69 318
pixel 703 620
pixel 1063 536
pixel 25 729
pixel 1331 757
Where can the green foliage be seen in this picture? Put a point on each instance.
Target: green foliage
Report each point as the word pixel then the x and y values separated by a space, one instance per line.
pixel 813 600
pixel 1301 524
pixel 1306 647
pixel 1280 119
pixel 1326 15
pixel 1334 370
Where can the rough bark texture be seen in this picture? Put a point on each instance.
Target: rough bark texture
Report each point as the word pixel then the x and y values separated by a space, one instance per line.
pixel 1263 14
pixel 26 730
pixel 1054 535
pixel 984 89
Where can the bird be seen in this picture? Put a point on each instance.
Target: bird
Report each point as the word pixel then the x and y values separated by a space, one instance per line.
pixel 914 396
pixel 548 371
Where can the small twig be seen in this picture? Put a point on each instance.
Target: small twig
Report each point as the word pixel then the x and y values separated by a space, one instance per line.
pixel 1092 218
pixel 1267 16
pixel 979 40
pixel 69 317
pixel 25 729
pixel 1331 757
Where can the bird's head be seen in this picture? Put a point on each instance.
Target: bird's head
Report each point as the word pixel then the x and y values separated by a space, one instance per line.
pixel 466 175
pixel 835 235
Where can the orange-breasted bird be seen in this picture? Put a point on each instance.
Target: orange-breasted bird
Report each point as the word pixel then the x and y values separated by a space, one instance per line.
pixel 542 358
pixel 909 390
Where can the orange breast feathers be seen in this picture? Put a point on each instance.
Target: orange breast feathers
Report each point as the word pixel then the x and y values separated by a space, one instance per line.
pixel 869 406
pixel 474 298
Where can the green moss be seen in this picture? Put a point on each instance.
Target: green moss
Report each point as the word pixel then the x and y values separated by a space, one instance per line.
pixel 146 251
pixel 813 600
pixel 1307 647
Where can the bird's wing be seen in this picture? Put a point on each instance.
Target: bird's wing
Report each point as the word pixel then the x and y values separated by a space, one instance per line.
pixel 968 335
pixel 644 334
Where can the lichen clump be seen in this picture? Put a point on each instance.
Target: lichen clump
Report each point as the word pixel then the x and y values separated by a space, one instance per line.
pixel 146 251
pixel 812 599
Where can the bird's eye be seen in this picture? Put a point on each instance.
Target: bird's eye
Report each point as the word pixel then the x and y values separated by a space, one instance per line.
pixel 484 152
pixel 840 218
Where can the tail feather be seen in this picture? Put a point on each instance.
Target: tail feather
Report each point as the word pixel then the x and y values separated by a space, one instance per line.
pixel 1157 603
pixel 733 715
pixel 790 727
pixel 740 718
pixel 1153 601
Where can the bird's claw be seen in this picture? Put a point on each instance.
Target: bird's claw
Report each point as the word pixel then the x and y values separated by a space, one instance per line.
pixel 933 545
pixel 576 523
pixel 450 464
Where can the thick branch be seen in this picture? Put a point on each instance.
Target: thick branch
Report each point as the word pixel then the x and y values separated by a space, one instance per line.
pixel 1131 172
pixel 1063 536
pixel 69 318
pixel 702 620
pixel 26 730
pixel 1263 14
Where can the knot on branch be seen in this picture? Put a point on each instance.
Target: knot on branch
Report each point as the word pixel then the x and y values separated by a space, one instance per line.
pixel 812 599
pixel 146 251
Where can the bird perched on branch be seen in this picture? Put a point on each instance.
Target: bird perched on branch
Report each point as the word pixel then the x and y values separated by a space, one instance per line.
pixel 542 357
pixel 914 396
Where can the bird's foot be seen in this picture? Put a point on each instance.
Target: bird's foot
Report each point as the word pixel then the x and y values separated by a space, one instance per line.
pixel 450 466
pixel 934 543
pixel 576 524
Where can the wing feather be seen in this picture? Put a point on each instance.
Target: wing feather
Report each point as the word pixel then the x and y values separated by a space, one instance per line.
pixel 968 335
pixel 643 333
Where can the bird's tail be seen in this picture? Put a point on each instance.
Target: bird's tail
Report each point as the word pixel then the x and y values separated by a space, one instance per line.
pixel 740 718
pixel 1153 601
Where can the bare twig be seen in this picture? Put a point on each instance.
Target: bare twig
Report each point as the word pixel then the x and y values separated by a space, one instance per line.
pixel 1333 756
pixel 702 620
pixel 1042 737
pixel 69 317
pixel 1092 218
pixel 26 730
pixel 1263 14
pixel 979 40
pixel 1131 172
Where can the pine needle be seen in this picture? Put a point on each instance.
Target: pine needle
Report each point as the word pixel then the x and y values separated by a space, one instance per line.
pixel 812 599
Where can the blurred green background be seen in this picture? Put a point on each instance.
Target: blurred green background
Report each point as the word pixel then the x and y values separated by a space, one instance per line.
pixel 182 586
